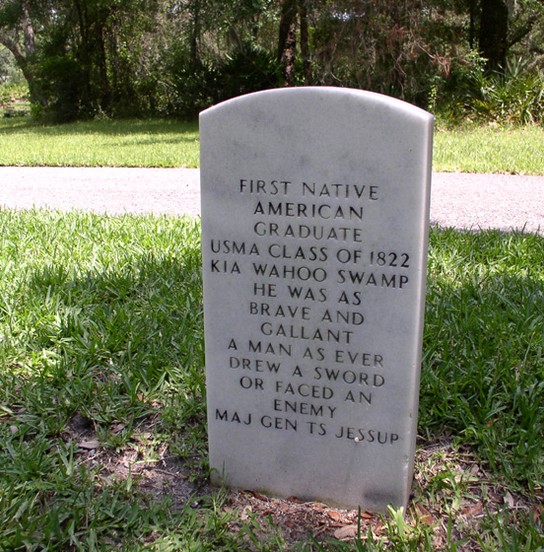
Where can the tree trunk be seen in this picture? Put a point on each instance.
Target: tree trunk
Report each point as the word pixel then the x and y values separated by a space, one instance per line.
pixel 472 25
pixel 494 33
pixel 102 60
pixel 305 42
pixel 195 35
pixel 288 39
pixel 28 31
pixel 24 59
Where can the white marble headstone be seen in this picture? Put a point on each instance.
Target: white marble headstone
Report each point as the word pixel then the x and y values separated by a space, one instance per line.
pixel 315 207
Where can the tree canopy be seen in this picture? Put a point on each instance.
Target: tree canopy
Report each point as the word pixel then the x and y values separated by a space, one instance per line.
pixel 82 58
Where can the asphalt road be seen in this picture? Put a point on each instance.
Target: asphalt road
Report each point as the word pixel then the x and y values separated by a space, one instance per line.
pixel 468 201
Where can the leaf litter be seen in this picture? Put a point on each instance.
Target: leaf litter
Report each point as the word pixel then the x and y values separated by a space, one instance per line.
pixel 451 495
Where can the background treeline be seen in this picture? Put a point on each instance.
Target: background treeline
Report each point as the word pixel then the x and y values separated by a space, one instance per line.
pixel 462 59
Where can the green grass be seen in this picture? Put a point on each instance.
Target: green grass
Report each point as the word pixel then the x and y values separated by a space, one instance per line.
pixel 132 143
pixel 159 143
pixel 511 150
pixel 102 385
pixel 484 348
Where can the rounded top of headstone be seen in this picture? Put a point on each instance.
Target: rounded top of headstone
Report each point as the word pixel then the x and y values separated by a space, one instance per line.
pixel 311 96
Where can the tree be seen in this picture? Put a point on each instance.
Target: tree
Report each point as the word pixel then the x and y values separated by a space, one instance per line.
pixel 287 40
pixel 293 23
pixel 494 33
pixel 18 36
pixel 130 57
pixel 79 57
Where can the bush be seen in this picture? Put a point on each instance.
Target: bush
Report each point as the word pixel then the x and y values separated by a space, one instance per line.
pixel 61 83
pixel 515 96
pixel 188 84
pixel 250 69
pixel 452 94
pixel 192 86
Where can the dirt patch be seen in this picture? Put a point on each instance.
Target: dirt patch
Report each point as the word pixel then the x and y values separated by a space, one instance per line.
pixel 156 472
pixel 452 494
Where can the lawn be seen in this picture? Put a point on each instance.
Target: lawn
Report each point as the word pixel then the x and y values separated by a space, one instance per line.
pixel 159 143
pixel 107 143
pixel 102 399
pixel 102 392
pixel 486 149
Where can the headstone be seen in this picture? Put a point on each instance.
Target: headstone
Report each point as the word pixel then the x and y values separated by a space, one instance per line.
pixel 315 209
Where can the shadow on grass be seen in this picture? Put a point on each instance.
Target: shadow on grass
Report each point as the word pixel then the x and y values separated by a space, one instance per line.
pixel 105 396
pixel 111 381
pixel 152 141
pixel 133 330
pixel 103 127
pixel 483 369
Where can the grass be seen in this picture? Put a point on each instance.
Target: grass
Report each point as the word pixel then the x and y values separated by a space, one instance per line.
pixel 486 149
pixel 485 349
pixel 159 143
pixel 105 143
pixel 102 398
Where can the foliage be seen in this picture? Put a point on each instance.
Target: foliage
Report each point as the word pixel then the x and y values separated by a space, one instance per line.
pixel 10 94
pixel 515 96
pixel 9 72
pixel 192 87
pixel 146 57
pixel 249 69
pixel 381 46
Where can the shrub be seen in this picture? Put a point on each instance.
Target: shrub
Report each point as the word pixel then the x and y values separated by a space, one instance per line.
pixel 515 96
pixel 189 85
pixel 192 86
pixel 250 69
pixel 62 84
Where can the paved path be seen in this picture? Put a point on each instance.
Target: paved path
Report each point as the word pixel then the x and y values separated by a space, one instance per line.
pixel 469 201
